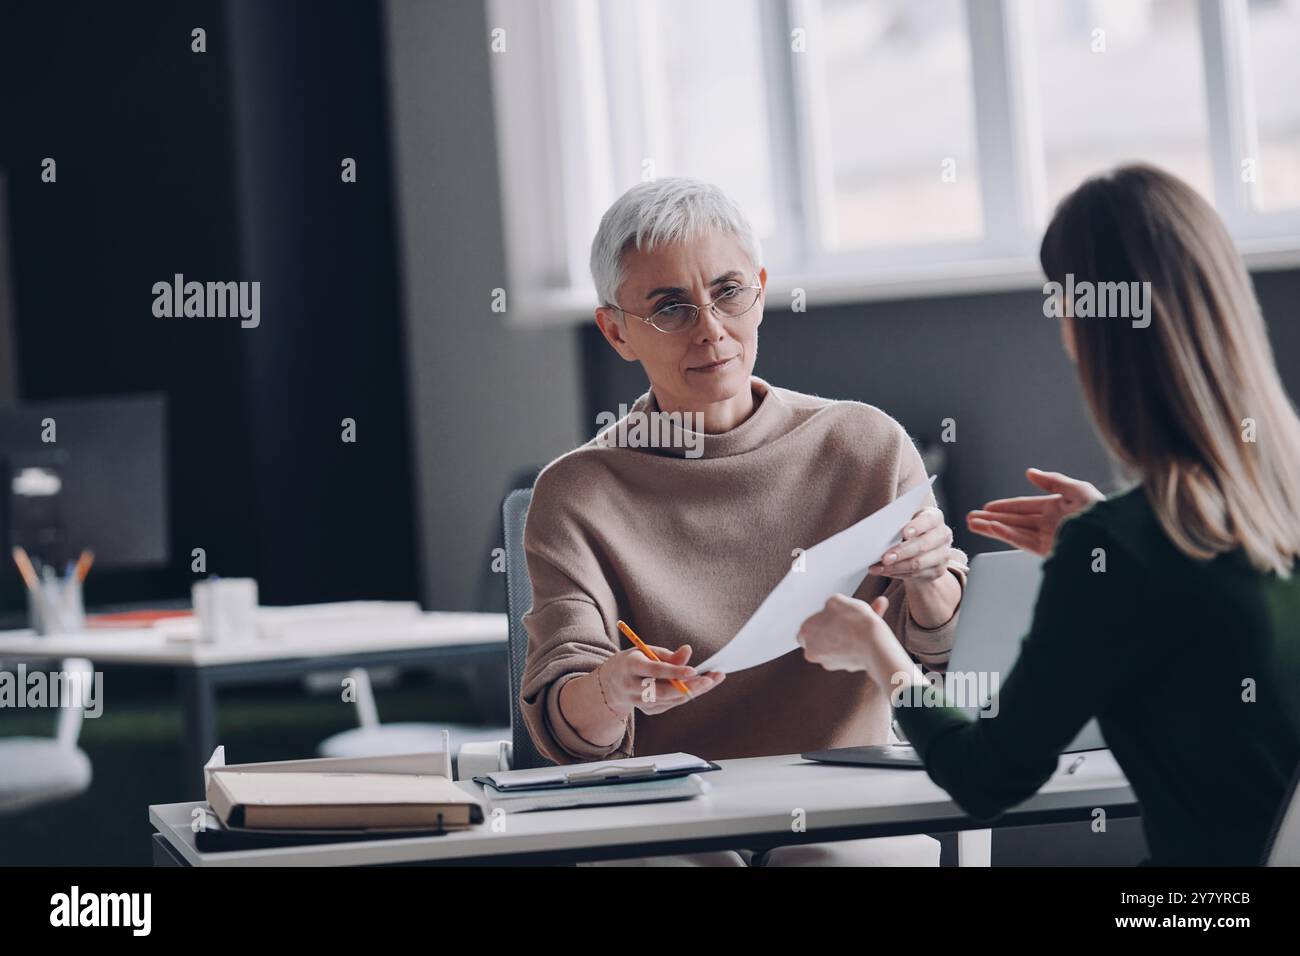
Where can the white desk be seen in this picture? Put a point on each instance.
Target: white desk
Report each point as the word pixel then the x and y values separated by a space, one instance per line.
pixel 294 641
pixel 288 632
pixel 750 804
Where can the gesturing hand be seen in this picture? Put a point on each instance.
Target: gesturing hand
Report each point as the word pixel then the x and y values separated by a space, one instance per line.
pixel 1030 522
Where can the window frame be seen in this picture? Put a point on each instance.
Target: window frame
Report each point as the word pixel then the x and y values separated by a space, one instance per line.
pixel 573 95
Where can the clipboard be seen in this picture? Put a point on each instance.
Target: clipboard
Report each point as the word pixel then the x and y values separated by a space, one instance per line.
pixel 601 773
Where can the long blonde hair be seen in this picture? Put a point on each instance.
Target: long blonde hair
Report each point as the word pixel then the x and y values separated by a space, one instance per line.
pixel 1192 401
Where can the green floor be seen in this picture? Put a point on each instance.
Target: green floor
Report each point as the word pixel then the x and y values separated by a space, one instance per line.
pixel 135 752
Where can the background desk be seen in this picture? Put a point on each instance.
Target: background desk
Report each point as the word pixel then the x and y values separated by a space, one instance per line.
pixel 750 804
pixel 298 648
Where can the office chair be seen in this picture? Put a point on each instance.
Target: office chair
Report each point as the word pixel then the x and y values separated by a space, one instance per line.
pixel 40 770
pixel 519 600
pixel 375 739
pixel 491 596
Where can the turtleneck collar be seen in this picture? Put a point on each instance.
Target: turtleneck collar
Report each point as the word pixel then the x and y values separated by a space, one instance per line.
pixel 770 419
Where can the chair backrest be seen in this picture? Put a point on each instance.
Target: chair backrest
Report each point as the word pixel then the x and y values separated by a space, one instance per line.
pixel 519 600
pixel 1284 847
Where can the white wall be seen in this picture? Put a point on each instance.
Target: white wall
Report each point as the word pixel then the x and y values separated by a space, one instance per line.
pixel 486 400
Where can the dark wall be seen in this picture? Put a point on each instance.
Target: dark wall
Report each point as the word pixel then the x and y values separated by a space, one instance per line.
pixel 221 166
pixel 140 128
pixel 991 362
pixel 310 90
pixel 489 398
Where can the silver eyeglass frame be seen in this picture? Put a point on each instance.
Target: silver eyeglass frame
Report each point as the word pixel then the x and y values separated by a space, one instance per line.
pixel 695 319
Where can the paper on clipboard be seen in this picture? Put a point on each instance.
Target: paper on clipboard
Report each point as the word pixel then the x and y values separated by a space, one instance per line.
pixel 835 566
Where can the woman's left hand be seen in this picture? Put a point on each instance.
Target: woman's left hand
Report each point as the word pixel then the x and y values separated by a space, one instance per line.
pixel 849 635
pixel 923 553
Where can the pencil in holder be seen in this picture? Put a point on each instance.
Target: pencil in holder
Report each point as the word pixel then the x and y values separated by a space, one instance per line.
pixel 55 606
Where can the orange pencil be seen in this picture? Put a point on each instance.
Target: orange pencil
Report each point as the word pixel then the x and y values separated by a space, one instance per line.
pixel 83 565
pixel 25 568
pixel 645 649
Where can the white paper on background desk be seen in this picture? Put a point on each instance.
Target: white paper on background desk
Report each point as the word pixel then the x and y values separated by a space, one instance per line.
pixel 835 566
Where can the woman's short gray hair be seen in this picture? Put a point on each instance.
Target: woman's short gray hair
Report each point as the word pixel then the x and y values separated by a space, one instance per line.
pixel 661 211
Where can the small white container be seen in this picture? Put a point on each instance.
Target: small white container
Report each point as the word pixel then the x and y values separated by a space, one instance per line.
pixel 226 609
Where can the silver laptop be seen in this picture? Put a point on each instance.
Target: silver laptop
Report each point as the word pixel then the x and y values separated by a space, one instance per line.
pixel 996 611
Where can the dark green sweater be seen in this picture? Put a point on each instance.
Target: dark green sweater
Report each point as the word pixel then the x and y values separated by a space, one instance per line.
pixel 1158 648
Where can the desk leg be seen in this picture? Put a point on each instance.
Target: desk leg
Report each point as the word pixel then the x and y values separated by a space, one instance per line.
pixel 199 703
pixel 163 854
pixel 975 848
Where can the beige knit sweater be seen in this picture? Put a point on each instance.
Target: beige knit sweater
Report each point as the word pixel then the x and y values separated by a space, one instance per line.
pixel 685 548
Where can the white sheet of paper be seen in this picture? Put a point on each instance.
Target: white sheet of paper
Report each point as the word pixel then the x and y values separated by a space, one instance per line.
pixel 835 566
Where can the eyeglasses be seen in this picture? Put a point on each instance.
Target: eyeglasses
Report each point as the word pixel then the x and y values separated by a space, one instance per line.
pixel 733 301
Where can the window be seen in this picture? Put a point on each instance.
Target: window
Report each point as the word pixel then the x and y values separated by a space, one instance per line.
pixel 885 147
pixel 1119 81
pixel 1275 60
pixel 701 110
pixel 899 140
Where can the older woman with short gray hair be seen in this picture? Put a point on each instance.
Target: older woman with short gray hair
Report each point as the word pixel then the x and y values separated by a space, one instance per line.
pixel 684 547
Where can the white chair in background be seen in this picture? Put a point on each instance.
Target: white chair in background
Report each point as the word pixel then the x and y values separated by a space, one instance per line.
pixel 372 738
pixel 40 770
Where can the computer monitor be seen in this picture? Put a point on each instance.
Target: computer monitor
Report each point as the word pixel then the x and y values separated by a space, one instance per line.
pixel 86 473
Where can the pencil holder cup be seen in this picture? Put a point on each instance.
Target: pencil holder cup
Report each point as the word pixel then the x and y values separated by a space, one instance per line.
pixel 55 607
pixel 226 609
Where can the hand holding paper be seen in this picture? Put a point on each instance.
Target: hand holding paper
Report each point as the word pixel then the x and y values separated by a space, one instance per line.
pixel 835 566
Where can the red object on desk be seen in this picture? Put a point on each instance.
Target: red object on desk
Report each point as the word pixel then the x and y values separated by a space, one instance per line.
pixel 134 619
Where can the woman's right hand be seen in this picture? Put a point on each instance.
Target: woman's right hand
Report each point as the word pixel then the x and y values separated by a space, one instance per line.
pixel 1030 522
pixel 631 680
